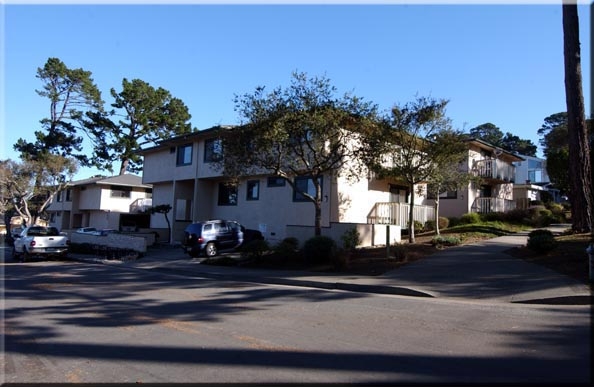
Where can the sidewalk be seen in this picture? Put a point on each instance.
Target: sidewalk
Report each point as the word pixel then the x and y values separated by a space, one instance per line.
pixel 480 271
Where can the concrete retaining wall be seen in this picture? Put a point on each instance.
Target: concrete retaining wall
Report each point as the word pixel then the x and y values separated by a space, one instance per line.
pixel 121 241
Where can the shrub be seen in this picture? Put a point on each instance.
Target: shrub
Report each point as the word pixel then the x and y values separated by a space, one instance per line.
pixel 320 249
pixel 419 227
pixel 470 218
pixel 516 216
pixel 287 248
pixel 493 216
pixel 254 249
pixel 454 221
pixel 446 241
pixel 351 239
pixel 541 241
pixel 443 223
pixel 399 252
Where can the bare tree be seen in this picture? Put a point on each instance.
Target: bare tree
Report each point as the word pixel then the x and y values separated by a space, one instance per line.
pixel 31 185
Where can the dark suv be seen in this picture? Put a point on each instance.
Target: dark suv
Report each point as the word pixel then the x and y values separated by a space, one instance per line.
pixel 210 237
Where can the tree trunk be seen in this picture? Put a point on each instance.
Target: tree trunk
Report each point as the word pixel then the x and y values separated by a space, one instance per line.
pixel 579 148
pixel 318 206
pixel 124 166
pixel 411 219
pixel 437 215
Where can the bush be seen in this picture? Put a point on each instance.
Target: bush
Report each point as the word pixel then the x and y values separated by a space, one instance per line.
pixel 351 239
pixel 254 249
pixel 446 241
pixel 541 241
pixel 516 216
pixel 320 249
pixel 443 223
pixel 287 248
pixel 399 252
pixel 493 217
pixel 454 221
pixel 470 218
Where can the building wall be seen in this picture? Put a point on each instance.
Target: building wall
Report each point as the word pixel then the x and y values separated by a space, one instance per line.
pixel 196 187
pixel 90 198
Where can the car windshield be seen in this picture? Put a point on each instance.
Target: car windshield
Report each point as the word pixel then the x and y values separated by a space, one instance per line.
pixel 42 231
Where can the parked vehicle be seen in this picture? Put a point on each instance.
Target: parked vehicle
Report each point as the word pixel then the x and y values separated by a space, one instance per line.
pixel 105 232
pixel 40 241
pixel 213 236
pixel 86 230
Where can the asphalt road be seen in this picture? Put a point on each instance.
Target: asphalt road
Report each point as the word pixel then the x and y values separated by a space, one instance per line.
pixel 77 323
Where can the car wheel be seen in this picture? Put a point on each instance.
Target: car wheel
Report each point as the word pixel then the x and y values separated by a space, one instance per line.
pixel 194 252
pixel 210 250
pixel 15 255
pixel 26 256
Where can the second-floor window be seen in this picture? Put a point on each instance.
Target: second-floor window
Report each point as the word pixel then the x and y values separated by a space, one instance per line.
pixel 213 150
pixel 68 195
pixel 227 194
pixel 120 192
pixel 184 155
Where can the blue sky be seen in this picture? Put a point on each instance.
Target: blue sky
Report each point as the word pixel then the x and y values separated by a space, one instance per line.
pixel 495 63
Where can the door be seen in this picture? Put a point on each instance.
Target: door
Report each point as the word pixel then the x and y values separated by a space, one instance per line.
pixel 224 235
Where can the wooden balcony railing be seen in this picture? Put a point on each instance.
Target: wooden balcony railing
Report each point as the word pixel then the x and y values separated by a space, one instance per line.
pixel 494 169
pixel 492 205
pixel 394 213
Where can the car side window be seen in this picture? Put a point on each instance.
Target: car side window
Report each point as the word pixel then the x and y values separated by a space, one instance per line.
pixel 207 227
pixel 221 227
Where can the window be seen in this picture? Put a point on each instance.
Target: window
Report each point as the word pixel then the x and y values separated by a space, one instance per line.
pixel 183 209
pixel 59 196
pixel 213 150
pixel 445 195
pixel 227 194
pixel 276 181
pixel 184 155
pixel 253 190
pixel 68 195
pixel 398 194
pixel 120 192
pixel 304 184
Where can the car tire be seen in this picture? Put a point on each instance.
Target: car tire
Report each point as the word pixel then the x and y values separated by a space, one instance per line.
pixel 194 252
pixel 15 255
pixel 26 256
pixel 210 250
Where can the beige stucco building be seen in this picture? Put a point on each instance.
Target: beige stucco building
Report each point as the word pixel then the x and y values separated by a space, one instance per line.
pixel 182 175
pixel 494 193
pixel 99 202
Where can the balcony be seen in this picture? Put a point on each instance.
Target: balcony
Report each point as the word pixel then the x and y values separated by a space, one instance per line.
pixel 395 213
pixel 484 205
pixel 494 169
pixel 141 205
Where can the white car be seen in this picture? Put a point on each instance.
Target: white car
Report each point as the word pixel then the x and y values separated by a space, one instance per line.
pixel 86 230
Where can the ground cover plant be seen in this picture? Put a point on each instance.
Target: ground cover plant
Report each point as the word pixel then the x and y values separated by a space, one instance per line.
pixel 568 256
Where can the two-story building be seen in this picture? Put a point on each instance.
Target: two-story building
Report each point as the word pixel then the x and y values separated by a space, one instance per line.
pixel 532 180
pixel 99 202
pixel 495 192
pixel 182 173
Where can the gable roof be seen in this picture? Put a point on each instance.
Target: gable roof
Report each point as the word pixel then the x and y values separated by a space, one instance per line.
pixel 186 138
pixel 488 146
pixel 119 180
